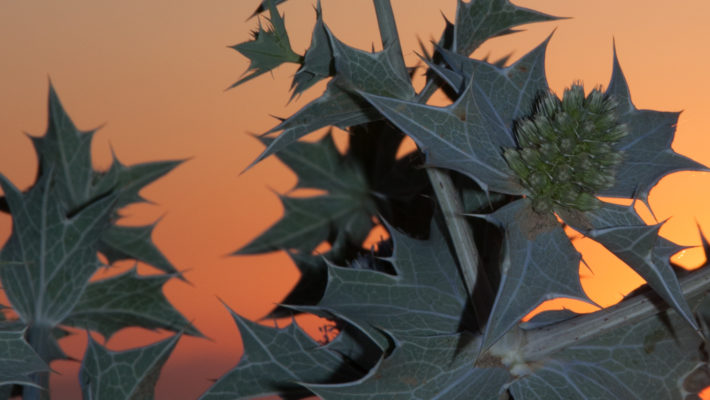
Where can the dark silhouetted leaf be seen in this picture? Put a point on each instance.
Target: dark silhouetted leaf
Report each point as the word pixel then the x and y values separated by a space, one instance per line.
pixel 346 209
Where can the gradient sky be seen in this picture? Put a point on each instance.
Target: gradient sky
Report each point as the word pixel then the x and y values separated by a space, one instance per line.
pixel 155 72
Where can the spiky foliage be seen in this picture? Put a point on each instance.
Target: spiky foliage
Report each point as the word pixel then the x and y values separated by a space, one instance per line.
pixel 60 224
pixel 435 318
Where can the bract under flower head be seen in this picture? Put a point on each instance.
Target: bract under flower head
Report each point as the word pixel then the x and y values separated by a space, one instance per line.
pixel 566 152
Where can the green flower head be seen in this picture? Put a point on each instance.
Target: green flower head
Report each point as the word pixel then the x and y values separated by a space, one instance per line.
pixel 566 151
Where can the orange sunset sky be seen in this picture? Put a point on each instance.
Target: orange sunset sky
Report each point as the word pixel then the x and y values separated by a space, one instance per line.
pixel 155 72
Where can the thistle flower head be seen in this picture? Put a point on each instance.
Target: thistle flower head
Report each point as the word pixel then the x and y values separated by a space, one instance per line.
pixel 566 150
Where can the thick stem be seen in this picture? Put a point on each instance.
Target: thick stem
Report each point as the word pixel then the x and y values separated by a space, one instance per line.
pixel 37 338
pixel 388 31
pixel 444 189
pixel 462 238
pixel 539 343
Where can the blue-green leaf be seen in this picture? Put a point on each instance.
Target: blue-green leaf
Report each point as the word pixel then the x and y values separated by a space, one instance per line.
pixel 274 360
pixel 67 151
pixel 647 151
pixel 423 368
pixel 318 61
pixel 128 300
pixel 263 6
pixel 480 20
pixel 17 358
pixel 623 232
pixel 539 264
pixel 133 243
pixel 346 209
pixel 652 359
pixel 269 48
pixel 371 72
pixel 340 106
pixel 336 107
pixel 52 255
pixel 309 221
pixel 131 374
pixel 128 181
pixel 510 91
pixel 425 296
pixel 468 135
pixel 464 137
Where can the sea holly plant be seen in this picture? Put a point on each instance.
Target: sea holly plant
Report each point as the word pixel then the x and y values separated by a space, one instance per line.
pixel 60 225
pixel 476 217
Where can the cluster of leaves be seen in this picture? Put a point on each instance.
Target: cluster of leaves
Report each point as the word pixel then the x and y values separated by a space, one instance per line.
pixel 421 315
pixel 412 326
pixel 60 225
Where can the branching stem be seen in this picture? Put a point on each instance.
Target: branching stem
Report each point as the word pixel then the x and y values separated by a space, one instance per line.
pixel 444 189
pixel 539 343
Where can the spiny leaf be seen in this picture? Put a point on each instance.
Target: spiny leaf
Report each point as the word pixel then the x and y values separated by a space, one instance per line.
pixel 346 209
pixel 311 284
pixel 127 300
pixel 355 346
pixel 129 180
pixel 274 359
pixel 335 107
pixel 263 6
pixel 647 148
pixel 318 60
pixel 371 72
pixel 56 253
pixel 66 151
pixel 623 232
pixel 339 105
pixel 309 221
pixel 269 48
pixel 133 243
pixel 458 137
pixel 425 297
pixel 423 368
pixel 510 91
pixel 468 135
pixel 319 165
pixel 652 359
pixel 540 264
pixel 17 358
pixel 131 374
pixel 480 20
